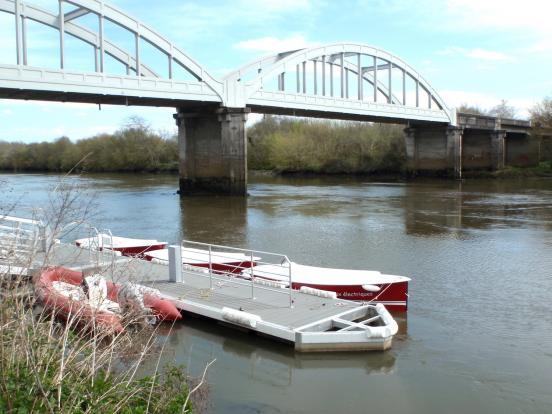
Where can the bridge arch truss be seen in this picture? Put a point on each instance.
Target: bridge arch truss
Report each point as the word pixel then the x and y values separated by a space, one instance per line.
pixel 342 80
pixel 141 85
pixel 338 80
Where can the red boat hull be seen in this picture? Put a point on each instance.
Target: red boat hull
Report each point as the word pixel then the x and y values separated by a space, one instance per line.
pixel 85 314
pixel 234 267
pixel 393 295
pixel 134 251
pixel 231 267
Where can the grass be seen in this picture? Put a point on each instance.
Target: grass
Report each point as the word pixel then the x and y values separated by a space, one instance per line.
pixel 52 367
pixel 63 367
pixel 543 169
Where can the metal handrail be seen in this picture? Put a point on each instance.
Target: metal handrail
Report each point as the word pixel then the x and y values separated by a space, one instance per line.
pixel 20 235
pixel 241 277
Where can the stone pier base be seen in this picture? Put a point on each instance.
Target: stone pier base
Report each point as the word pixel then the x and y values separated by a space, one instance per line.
pixel 213 151
pixel 478 142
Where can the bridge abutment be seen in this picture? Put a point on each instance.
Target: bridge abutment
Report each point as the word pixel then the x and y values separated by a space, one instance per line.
pixel 478 143
pixel 213 151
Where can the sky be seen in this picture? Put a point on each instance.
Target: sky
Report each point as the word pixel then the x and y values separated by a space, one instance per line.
pixel 474 52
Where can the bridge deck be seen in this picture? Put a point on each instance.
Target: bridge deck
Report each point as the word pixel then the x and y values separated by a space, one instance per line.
pixel 270 308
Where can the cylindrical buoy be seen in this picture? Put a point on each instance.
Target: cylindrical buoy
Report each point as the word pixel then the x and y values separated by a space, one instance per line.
pixel 371 288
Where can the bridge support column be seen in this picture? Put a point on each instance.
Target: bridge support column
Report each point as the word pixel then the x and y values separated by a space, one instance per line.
pixel 454 150
pixel 498 149
pixel 434 149
pixel 411 149
pixel 213 151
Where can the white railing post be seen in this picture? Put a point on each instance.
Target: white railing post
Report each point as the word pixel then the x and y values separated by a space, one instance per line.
pixel 210 269
pixel 43 244
pixel 175 264
pixel 252 275
pixel 290 286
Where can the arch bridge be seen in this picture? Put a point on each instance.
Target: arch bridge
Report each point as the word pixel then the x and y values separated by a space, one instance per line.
pixel 341 81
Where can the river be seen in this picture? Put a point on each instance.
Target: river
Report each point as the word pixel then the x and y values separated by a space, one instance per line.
pixel 478 336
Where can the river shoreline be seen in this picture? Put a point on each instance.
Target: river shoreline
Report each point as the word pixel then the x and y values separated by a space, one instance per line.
pixel 542 170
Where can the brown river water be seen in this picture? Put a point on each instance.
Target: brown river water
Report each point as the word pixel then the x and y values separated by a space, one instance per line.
pixel 478 335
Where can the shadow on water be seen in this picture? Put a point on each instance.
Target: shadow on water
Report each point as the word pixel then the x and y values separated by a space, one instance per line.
pixel 217 220
pixel 266 360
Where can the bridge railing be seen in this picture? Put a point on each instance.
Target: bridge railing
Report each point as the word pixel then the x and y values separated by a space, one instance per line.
pixel 225 265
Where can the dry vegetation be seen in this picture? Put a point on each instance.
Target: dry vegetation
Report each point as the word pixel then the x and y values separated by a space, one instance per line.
pixel 60 366
pixel 290 145
pixel 133 148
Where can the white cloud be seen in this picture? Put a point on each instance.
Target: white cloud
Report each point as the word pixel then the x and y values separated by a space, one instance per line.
pixel 276 5
pixel 478 54
pixel 211 19
pixel 528 19
pixel 75 131
pixel 273 44
pixel 532 15
pixel 541 46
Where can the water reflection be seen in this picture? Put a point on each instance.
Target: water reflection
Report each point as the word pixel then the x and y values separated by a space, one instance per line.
pixel 454 208
pixel 260 359
pixel 218 220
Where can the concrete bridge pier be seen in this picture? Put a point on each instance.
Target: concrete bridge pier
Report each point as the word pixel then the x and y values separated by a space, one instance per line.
pixel 434 149
pixel 213 151
pixel 478 142
pixel 498 149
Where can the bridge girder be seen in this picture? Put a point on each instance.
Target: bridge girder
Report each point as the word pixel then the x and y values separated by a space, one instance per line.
pixel 367 66
pixel 64 22
pixel 256 74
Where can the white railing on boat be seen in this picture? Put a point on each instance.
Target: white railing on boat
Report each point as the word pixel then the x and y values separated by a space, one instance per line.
pixel 99 243
pixel 230 265
pixel 21 236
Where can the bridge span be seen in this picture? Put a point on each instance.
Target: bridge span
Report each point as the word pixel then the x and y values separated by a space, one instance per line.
pixel 346 81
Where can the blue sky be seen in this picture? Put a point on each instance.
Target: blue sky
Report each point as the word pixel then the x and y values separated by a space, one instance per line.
pixel 471 51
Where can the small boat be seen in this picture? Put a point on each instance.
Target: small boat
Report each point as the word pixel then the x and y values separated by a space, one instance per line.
pixel 61 291
pixel 126 246
pixel 219 261
pixel 357 285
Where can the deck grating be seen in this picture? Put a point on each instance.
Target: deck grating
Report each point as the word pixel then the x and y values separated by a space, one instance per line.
pixel 271 306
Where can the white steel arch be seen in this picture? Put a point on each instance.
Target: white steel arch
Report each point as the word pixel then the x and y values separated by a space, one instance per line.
pixel 336 58
pixel 88 36
pixel 141 83
pixel 342 80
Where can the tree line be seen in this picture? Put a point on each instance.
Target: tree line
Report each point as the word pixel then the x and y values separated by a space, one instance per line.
pixel 292 145
pixel 133 148
pixel 274 143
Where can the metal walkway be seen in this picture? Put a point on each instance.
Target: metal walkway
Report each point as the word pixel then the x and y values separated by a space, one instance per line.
pixel 310 323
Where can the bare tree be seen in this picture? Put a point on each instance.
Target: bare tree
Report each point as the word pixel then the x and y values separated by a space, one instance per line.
pixel 503 110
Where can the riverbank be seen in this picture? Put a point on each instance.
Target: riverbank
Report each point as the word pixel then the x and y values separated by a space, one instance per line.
pixel 48 366
pixel 276 145
pixel 288 145
pixel 542 170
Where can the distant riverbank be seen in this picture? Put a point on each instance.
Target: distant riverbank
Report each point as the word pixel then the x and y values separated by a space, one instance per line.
pixel 280 146
pixel 134 148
